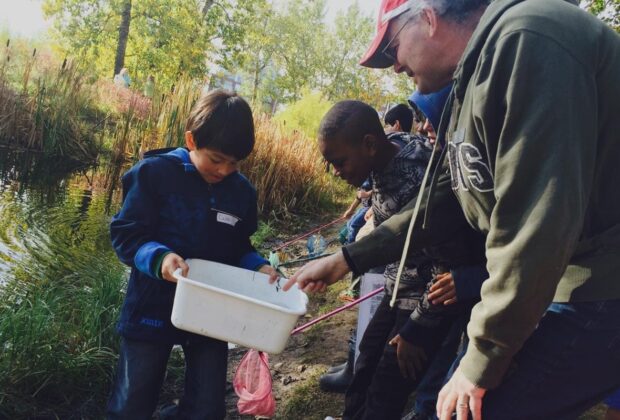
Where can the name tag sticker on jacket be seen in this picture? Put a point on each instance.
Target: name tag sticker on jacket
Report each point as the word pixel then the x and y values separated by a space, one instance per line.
pixel 229 219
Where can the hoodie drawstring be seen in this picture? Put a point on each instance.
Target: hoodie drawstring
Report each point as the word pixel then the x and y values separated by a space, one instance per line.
pixel 440 139
pixel 416 210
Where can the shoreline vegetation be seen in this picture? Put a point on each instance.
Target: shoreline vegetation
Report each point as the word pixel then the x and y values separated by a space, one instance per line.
pixel 62 111
pixel 62 291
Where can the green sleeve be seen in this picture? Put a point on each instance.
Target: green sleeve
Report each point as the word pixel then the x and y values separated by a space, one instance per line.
pixel 534 106
pixel 385 243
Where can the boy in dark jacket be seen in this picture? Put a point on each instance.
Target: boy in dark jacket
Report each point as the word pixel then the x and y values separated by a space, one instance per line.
pixel 182 203
pixel 352 140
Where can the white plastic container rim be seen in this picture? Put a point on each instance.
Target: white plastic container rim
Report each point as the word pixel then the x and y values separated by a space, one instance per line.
pixel 179 276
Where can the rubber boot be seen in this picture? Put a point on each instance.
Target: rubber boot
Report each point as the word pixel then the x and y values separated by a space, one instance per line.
pixel 339 380
pixel 338 368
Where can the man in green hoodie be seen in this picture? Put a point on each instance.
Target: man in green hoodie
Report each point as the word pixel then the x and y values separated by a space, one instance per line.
pixel 532 137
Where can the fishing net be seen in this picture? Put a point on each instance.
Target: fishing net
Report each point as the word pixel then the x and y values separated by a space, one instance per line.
pixel 252 384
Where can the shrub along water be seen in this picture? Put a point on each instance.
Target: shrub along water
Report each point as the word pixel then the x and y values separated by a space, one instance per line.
pixel 289 173
pixel 47 110
pixel 287 169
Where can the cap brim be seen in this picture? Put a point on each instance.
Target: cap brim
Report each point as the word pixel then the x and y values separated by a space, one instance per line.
pixel 373 57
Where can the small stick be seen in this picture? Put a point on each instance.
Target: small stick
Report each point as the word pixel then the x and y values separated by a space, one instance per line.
pixel 337 310
pixel 315 257
pixel 305 235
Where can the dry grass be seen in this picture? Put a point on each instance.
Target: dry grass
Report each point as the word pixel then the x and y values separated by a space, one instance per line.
pixel 288 171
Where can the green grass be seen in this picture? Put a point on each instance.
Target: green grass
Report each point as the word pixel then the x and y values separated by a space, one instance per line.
pixel 59 345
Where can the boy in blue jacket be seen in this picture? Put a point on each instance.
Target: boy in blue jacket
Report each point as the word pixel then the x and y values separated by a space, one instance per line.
pixel 177 204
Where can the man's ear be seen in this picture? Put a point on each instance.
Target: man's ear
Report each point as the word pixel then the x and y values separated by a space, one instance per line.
pixel 189 141
pixel 397 126
pixel 369 144
pixel 429 16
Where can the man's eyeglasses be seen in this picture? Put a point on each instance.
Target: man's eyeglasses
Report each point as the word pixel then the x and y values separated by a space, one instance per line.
pixel 390 52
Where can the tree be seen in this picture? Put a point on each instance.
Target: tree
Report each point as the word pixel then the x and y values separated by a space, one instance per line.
pixel 166 38
pixel 298 53
pixel 305 115
pixel 257 51
pixel 606 10
pixel 291 49
pixel 344 78
pixel 123 34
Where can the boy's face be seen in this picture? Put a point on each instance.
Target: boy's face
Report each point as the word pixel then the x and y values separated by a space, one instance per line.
pixel 212 165
pixel 430 131
pixel 393 128
pixel 352 162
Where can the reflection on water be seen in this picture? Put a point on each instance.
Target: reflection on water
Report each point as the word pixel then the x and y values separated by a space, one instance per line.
pixel 29 170
pixel 49 215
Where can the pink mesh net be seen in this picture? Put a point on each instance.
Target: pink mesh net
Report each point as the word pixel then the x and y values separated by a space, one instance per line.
pixel 252 384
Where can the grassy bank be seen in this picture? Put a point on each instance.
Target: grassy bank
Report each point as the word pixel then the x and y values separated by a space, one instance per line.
pixel 58 306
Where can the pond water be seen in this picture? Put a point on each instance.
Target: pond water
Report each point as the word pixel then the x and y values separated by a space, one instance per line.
pixel 51 215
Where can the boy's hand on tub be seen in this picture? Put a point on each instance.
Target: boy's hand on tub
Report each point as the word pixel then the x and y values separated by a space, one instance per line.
pixel 169 265
pixel 318 274
pixel 270 271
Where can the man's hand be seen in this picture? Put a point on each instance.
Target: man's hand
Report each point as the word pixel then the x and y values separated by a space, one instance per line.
pixel 318 274
pixel 443 290
pixel 411 358
pixel 270 271
pixel 461 395
pixel 169 265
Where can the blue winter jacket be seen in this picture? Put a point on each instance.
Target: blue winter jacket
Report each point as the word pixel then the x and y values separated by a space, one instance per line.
pixel 168 207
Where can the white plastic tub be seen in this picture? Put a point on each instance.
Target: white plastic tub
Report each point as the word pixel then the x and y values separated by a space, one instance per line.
pixel 236 305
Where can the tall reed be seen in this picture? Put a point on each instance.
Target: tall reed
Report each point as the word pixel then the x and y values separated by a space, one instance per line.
pixel 47 109
pixel 285 168
pixel 288 171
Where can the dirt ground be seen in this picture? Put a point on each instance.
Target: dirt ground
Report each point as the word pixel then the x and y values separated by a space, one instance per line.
pixel 296 370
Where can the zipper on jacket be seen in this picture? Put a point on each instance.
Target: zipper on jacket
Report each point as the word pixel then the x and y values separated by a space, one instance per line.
pixel 441 135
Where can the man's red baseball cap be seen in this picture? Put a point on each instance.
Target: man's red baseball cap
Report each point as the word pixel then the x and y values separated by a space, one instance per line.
pixel 389 10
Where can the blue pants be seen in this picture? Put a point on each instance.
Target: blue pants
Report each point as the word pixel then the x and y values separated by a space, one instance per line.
pixel 141 371
pixel 569 363
pixel 378 389
pixel 436 375
pixel 355 223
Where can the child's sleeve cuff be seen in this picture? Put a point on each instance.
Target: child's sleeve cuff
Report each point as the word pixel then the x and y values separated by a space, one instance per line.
pixel 252 261
pixel 149 257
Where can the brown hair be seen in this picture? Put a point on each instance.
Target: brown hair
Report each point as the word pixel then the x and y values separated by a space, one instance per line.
pixel 222 120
